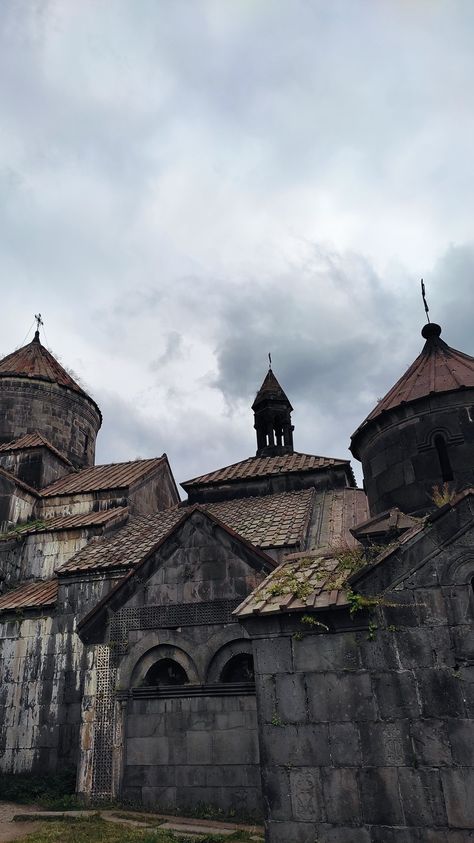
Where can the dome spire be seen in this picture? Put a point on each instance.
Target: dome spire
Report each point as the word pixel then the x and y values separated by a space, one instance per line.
pixel 39 322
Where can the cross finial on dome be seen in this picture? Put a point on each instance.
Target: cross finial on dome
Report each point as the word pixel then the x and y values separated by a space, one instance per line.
pixel 425 303
pixel 269 360
pixel 39 322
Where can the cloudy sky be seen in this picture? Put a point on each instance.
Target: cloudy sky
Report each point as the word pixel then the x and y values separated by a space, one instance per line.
pixel 186 185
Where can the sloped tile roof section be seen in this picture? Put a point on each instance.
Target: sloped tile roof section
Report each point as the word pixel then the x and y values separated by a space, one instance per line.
pixel 307 582
pixel 98 478
pixel 60 523
pixel 319 572
pixel 270 521
pixel 437 369
pixel 35 361
pixel 126 547
pixel 265 467
pixel 29 441
pixel 392 520
pixel 33 595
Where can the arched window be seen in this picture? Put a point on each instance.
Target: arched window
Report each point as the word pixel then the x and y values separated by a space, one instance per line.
pixel 239 669
pixel 166 672
pixel 443 456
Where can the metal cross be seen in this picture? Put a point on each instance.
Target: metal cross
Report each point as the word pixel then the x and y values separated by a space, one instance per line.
pixel 269 360
pixel 425 303
pixel 39 321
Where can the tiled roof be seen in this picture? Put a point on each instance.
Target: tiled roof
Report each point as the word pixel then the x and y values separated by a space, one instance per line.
pixel 265 467
pixel 268 521
pixel 30 596
pixel 318 581
pixel 32 440
pixel 126 547
pixel 72 522
pixel 35 361
pixel 99 477
pixel 438 368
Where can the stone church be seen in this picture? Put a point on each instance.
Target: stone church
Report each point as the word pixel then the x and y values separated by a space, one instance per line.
pixel 281 643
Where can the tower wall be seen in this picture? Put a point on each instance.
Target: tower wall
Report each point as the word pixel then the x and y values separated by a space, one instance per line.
pixel 69 420
pixel 400 452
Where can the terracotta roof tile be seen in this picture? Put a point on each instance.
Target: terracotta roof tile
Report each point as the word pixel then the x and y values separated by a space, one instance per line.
pixel 265 467
pixel 35 361
pixel 316 575
pixel 108 517
pixel 99 477
pixel 32 440
pixel 30 595
pixel 269 521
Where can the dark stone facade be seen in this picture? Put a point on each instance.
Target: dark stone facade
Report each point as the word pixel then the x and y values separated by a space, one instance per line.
pixel 366 731
pixel 399 456
pixel 68 419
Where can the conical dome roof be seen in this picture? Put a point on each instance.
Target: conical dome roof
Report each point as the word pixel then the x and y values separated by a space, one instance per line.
pixel 270 389
pixel 35 361
pixel 439 368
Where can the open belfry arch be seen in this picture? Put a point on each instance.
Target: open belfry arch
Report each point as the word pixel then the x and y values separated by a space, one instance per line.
pixel 280 643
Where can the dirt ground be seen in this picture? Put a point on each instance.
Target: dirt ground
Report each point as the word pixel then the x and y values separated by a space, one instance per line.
pixel 10 830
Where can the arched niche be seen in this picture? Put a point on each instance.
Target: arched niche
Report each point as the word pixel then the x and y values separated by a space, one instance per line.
pixel 165 655
pixel 233 654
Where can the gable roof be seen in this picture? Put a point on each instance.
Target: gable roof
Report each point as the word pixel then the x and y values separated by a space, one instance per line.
pixel 269 521
pixel 30 595
pixel 438 368
pixel 98 478
pixel 254 467
pixel 310 581
pixel 32 440
pixel 114 600
pixel 105 517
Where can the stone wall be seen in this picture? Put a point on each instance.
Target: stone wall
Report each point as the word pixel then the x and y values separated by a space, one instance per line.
pixel 68 419
pixel 43 664
pixel 367 731
pixel 16 503
pixel 38 467
pixel 399 458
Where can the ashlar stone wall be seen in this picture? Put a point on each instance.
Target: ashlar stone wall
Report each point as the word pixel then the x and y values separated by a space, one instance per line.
pixel 366 731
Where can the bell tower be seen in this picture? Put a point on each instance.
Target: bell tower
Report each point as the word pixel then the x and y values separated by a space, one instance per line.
pixel 272 411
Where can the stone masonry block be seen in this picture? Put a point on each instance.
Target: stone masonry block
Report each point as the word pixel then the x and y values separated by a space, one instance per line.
pixel 385 744
pixel 461 738
pixel 273 655
pixel 291 698
pixel 266 697
pixel 276 793
pixel 305 745
pixel 379 796
pixel 422 797
pixel 326 652
pixel 430 742
pixel 396 695
pixel 341 795
pixel 345 744
pixel 441 693
pixel 296 832
pixel 458 786
pixel 336 697
pixel 306 794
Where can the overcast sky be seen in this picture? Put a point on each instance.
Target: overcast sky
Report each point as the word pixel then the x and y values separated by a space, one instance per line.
pixel 186 185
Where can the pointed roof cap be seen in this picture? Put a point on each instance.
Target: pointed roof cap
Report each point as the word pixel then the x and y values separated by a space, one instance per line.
pixel 439 368
pixel 35 361
pixel 270 390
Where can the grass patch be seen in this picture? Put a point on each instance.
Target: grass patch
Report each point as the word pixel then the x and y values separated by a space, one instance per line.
pixel 94 829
